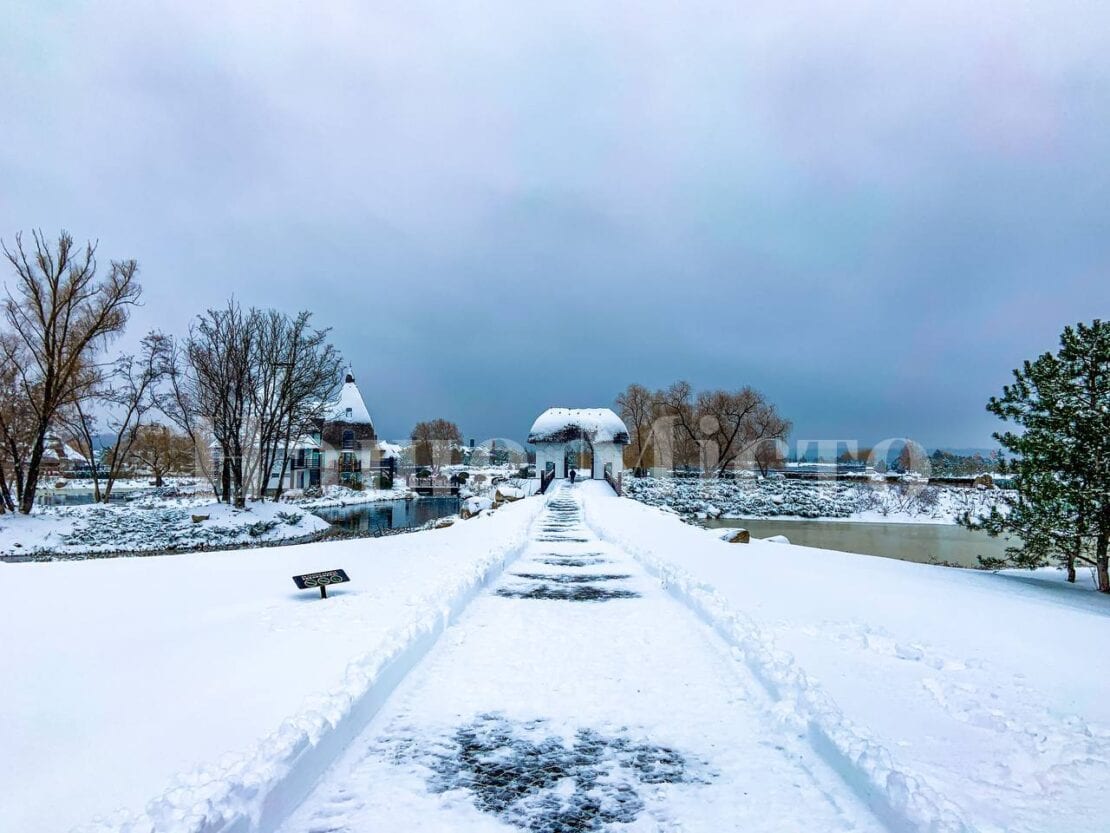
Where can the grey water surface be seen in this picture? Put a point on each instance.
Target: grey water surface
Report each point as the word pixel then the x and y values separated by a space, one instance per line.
pixel 923 543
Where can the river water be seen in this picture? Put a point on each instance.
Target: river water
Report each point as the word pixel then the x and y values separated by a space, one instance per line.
pixel 390 514
pixel 923 543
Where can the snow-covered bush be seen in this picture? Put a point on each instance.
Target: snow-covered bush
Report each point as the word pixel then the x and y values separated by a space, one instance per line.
pixel 764 497
pixel 151 525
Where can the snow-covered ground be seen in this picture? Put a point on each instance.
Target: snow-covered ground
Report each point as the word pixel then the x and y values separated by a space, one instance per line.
pixel 986 689
pixel 753 497
pixel 626 671
pixel 121 673
pixel 150 524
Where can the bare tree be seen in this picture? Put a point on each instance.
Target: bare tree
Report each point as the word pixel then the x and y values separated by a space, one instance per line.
pixel 257 380
pixel 675 408
pixel 220 351
pixel 161 450
pixel 436 443
pixel 769 453
pixel 61 315
pixel 132 394
pixel 310 385
pixel 737 423
pixel 84 432
pixel 637 407
pixel 180 402
pixel 16 425
pixel 299 379
pixel 720 429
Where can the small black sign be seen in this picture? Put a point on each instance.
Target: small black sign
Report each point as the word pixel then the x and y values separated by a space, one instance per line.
pixel 321 580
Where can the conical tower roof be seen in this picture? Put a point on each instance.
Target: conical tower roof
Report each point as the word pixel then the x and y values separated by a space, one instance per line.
pixel 350 407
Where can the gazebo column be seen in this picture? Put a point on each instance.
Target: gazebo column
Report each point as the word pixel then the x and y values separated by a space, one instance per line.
pixel 551 453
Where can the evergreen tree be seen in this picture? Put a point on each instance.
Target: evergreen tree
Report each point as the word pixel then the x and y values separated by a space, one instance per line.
pixel 1060 458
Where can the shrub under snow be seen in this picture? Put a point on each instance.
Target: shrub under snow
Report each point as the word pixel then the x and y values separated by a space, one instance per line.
pixel 763 497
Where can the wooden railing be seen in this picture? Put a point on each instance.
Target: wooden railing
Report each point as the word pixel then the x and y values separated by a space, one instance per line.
pixel 545 480
pixel 437 482
pixel 614 482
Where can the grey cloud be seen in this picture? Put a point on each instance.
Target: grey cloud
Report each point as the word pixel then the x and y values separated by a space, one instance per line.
pixel 871 212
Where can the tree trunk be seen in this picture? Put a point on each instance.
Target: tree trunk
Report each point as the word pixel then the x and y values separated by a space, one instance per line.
pixel 18 474
pixel 225 480
pixel 6 504
pixel 239 498
pixel 158 478
pixel 87 437
pixel 1102 560
pixel 284 458
pixel 281 476
pixel 31 481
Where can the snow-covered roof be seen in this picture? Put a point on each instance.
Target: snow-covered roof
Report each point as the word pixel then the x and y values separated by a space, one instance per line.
pixel 349 407
pixel 54 447
pixel 560 425
pixel 390 450
pixel 71 453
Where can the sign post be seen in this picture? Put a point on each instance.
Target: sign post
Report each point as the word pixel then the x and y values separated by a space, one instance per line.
pixel 321 580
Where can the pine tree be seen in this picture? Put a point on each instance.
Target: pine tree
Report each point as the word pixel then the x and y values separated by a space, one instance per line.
pixel 1060 458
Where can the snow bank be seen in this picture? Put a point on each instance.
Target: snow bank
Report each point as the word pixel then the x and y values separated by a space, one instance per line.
pixel 509 493
pixel 94 716
pixel 897 796
pixel 474 505
pixel 981 688
pixel 557 425
pixel 337 495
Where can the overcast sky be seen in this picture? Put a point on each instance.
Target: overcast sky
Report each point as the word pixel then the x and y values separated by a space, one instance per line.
pixel 871 211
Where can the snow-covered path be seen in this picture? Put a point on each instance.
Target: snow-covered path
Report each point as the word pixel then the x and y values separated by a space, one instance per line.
pixel 577 695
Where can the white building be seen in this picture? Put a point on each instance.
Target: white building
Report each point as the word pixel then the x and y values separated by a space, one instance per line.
pixel 343 449
pixel 563 434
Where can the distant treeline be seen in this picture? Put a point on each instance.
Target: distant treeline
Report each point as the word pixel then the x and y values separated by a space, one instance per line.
pixel 948 464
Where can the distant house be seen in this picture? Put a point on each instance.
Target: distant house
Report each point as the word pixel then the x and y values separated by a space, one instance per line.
pixel 342 450
pixel 566 437
pixel 60 458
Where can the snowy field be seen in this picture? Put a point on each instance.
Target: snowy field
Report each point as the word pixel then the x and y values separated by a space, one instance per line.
pixel 122 673
pixel 599 665
pixel 753 497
